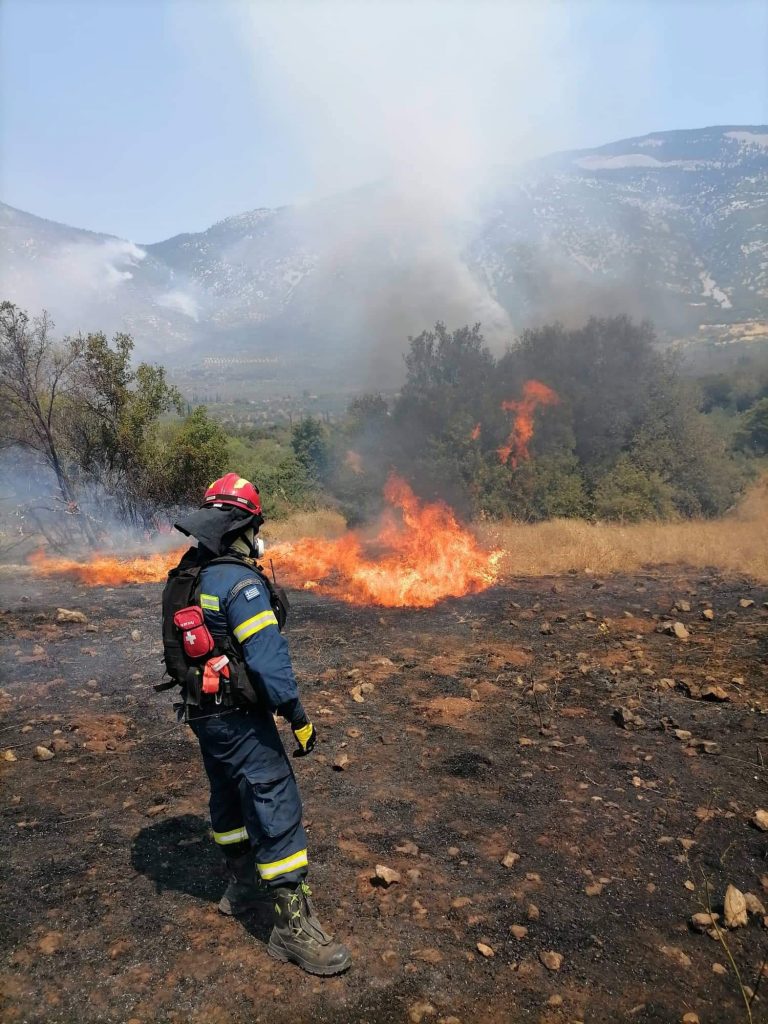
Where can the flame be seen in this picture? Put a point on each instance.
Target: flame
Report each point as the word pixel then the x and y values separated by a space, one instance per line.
pixel 420 555
pixel 106 570
pixel 475 432
pixel 534 394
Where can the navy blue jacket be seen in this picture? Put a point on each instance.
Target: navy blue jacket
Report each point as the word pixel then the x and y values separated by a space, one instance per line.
pixel 235 601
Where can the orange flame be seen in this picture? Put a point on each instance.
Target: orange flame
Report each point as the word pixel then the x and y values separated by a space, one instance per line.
pixel 475 433
pixel 534 394
pixel 416 559
pixel 108 571
pixel 420 555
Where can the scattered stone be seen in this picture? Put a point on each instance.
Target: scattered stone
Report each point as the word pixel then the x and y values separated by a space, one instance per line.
pixel 486 950
pixel 679 630
pixel 428 955
pixel 689 885
pixel 690 1018
pixel 708 615
pixel 509 859
pixel 551 960
pixel 746 602
pixel 43 754
pixel 719 968
pixel 533 912
pixel 356 694
pixel 555 1000
pixel 8 755
pixel 58 745
pixel 474 694
pixel 760 818
pixel 676 955
pixel 69 615
pixel 546 629
pixel 340 762
pixel 707 746
pixel 627 719
pixel 50 943
pixel 702 922
pixel 594 889
pixel 682 734
pixel 682 606
pixel 460 901
pixel 385 876
pixel 409 848
pixel 754 905
pixel 135 635
pixel 713 692
pixel 367 688
pixel 152 812
pixel 734 908
pixel 453 851
pixel 419 1011
pixel 518 931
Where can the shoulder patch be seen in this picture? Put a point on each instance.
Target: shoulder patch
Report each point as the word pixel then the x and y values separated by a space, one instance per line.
pixel 250 585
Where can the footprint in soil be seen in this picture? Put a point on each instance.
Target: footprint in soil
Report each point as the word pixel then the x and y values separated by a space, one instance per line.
pixel 177 854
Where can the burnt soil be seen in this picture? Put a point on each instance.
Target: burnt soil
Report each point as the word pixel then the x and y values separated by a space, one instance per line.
pixel 486 731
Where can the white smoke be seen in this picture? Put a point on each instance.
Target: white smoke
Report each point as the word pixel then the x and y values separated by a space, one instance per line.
pixel 429 97
pixel 180 301
pixel 74 280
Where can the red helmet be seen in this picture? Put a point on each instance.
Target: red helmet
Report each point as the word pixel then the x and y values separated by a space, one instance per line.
pixel 234 490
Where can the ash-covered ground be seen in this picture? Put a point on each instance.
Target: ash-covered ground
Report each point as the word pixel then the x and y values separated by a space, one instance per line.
pixel 555 782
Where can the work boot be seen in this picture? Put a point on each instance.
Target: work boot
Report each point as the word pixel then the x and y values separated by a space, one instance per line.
pixel 246 889
pixel 298 937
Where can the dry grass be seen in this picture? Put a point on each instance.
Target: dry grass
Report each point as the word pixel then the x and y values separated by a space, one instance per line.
pixel 323 523
pixel 736 543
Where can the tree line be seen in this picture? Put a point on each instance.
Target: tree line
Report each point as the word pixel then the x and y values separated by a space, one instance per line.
pixel 626 437
pixel 623 434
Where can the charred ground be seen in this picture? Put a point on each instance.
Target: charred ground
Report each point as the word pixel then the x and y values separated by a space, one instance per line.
pixel 492 726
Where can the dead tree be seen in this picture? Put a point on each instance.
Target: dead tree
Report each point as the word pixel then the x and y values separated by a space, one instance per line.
pixel 35 380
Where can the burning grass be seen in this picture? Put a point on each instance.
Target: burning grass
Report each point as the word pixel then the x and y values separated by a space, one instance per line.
pixel 422 554
pixel 736 543
pixel 419 555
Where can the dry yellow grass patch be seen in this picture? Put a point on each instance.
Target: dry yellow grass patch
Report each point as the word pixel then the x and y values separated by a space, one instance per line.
pixel 324 523
pixel 737 543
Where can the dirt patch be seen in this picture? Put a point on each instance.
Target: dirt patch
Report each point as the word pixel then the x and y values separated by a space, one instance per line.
pixel 589 754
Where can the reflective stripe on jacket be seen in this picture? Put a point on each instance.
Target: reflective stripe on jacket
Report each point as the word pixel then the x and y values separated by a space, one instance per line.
pixel 235 601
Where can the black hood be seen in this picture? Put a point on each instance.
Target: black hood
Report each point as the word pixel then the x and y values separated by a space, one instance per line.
pixel 216 528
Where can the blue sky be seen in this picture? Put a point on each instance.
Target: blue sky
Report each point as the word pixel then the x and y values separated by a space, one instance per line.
pixel 145 118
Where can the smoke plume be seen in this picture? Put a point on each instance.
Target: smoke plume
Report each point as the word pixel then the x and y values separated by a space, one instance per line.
pixel 424 99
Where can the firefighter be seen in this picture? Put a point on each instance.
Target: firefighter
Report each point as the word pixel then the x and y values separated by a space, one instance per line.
pixel 255 806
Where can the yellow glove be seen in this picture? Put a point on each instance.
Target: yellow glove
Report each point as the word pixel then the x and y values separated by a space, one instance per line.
pixel 306 737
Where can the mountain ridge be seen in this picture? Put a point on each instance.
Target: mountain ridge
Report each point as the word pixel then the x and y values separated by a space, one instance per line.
pixel 670 225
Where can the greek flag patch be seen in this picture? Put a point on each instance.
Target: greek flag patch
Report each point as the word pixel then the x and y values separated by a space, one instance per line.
pixel 251 592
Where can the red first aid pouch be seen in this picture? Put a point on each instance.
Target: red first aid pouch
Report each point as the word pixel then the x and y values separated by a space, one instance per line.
pixel 195 635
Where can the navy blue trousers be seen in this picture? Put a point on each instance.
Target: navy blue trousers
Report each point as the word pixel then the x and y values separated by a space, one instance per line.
pixel 254 796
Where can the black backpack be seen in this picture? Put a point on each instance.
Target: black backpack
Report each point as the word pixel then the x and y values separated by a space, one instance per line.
pixel 180 592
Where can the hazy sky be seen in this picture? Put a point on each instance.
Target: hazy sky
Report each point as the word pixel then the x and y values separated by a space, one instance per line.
pixel 145 118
